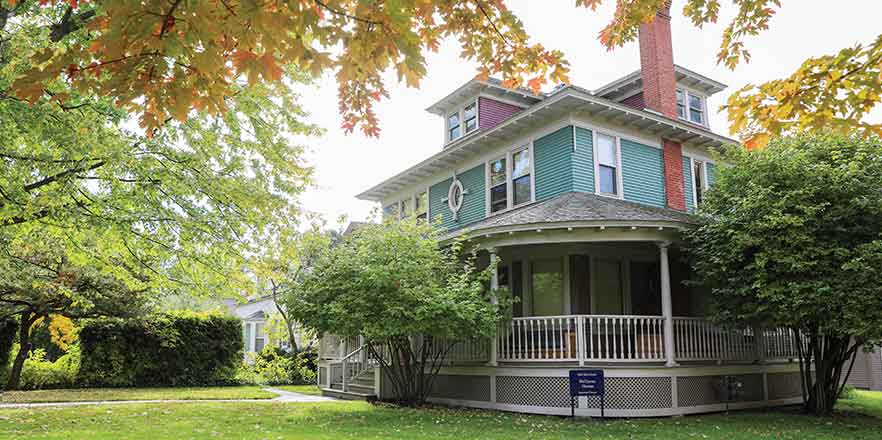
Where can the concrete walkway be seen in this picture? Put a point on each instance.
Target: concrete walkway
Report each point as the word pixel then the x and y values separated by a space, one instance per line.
pixel 283 397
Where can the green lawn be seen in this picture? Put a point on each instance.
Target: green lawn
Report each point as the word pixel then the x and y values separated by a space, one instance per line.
pixel 100 394
pixel 358 420
pixel 312 390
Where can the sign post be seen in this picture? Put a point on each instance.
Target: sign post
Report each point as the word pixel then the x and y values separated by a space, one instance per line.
pixel 586 383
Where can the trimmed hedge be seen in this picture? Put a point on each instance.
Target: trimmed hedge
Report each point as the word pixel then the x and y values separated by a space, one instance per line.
pixel 169 349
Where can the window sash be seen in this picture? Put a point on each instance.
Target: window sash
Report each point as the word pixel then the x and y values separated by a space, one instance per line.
pixel 520 163
pixel 681 104
pixel 608 179
pixel 470 117
pixel 698 182
pixel 522 190
pixel 499 197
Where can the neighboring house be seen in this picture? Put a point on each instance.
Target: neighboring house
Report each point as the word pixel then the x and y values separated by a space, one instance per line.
pixel 584 197
pixel 255 313
pixel 867 371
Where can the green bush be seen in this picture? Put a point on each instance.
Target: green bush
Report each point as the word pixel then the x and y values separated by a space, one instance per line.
pixel 169 349
pixel 40 373
pixel 848 392
pixel 274 366
pixel 8 329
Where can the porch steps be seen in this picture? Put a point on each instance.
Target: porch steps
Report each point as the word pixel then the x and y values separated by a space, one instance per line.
pixel 360 387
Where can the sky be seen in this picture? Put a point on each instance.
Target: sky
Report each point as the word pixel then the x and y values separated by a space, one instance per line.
pixel 346 165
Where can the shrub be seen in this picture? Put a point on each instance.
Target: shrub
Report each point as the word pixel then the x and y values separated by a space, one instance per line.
pixel 848 392
pixel 40 373
pixel 274 366
pixel 168 349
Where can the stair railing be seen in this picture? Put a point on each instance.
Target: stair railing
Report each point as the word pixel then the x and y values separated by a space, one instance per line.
pixel 354 364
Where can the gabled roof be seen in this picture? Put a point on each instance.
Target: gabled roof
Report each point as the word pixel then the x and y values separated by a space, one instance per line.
pixel 565 100
pixel 579 209
pixel 633 82
pixel 472 88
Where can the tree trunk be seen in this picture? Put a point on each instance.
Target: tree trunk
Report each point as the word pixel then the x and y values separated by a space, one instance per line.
pixel 24 339
pixel 821 369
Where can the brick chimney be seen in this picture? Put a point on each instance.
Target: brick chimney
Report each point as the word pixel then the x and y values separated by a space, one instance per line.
pixel 660 94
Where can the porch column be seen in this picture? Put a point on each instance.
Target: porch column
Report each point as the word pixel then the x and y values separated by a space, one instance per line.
pixel 667 312
pixel 494 285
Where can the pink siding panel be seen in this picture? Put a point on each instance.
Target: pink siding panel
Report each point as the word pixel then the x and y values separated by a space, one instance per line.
pixel 635 101
pixel 492 112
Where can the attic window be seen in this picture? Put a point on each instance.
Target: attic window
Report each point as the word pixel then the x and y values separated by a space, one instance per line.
pixel 690 107
pixel 462 122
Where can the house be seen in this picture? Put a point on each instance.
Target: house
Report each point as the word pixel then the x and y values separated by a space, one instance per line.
pixel 866 373
pixel 255 314
pixel 583 196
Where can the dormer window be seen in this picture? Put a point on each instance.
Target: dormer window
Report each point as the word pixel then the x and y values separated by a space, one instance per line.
pixel 690 107
pixel 462 122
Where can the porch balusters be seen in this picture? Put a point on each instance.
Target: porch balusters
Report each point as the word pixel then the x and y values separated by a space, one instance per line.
pixel 494 286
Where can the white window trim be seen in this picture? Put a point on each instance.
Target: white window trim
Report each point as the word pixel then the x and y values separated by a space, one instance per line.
pixel 509 190
pixel 686 117
pixel 692 161
pixel 619 181
pixel 461 112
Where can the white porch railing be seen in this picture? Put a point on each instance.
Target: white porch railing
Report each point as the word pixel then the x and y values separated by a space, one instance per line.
pixel 544 338
pixel 697 339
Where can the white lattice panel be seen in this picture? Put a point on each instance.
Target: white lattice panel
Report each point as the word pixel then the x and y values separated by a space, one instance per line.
pixel 533 391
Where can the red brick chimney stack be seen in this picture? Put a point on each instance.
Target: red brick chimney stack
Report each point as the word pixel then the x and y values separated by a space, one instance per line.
pixel 660 94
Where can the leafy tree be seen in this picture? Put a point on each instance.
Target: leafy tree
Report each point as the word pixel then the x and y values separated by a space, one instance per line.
pixel 40 281
pixel 163 58
pixel 180 205
pixel 287 257
pixel 791 236
pixel 409 297
pixel 829 92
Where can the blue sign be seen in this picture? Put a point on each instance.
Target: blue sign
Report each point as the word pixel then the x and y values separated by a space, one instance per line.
pixel 586 383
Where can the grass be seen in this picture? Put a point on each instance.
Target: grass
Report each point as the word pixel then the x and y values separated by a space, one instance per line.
pixel 311 390
pixel 359 420
pixel 102 394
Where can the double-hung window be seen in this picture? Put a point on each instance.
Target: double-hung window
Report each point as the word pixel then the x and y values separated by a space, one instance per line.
pixel 462 122
pixel 699 180
pixel 521 172
pixel 421 207
pixel 690 107
pixel 511 185
pixel 498 185
pixel 607 165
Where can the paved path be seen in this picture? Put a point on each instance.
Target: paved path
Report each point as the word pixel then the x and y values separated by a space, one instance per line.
pixel 283 396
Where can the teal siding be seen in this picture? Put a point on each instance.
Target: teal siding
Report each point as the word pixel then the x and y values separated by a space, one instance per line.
pixel 437 206
pixel 473 205
pixel 687 184
pixel 583 161
pixel 711 174
pixel 553 167
pixel 643 178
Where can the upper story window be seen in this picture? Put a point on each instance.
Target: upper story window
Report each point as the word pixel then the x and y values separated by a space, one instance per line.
pixel 462 122
pixel 691 107
pixel 607 165
pixel 498 185
pixel 699 180
pixel 510 185
pixel 421 208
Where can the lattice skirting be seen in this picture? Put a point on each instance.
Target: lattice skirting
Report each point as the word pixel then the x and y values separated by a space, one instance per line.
pixel 629 393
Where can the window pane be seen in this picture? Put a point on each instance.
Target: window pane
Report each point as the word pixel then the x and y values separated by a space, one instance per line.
pixel 422 202
pixel 606 150
pixel 498 198
pixel 681 104
pixel 522 189
pixel 247 337
pixel 695 109
pixel 469 112
pixel 695 102
pixel 471 125
pixel 696 116
pixel 455 133
pixel 497 172
pixel 453 120
pixel 259 343
pixel 547 281
pixel 607 179
pixel 698 176
pixel 520 163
